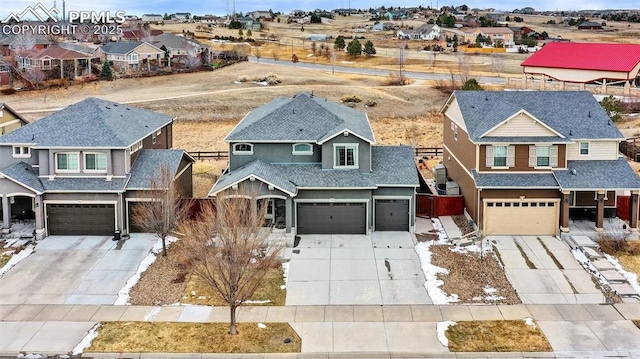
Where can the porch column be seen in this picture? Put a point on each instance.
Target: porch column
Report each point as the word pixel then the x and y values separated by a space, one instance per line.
pixel 75 68
pixel 39 211
pixel 604 86
pixel 633 211
pixel 6 212
pixel 582 87
pixel 627 87
pixel 564 214
pixel 61 69
pixel 526 84
pixel 600 211
pixel 289 213
pixel 543 78
pixel 563 85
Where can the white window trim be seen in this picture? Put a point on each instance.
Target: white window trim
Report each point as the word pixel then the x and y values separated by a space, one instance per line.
pixel 154 138
pixel 84 155
pixel 22 154
pixel 302 153
pixel 58 170
pixel 553 160
pixel 580 148
pixel 242 153
pixel 356 154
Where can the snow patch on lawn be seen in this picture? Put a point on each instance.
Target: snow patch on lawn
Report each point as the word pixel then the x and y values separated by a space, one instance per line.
pixel 257 301
pixel 262 326
pixel 441 328
pixel 632 278
pixel 86 341
pixel 16 258
pixel 586 263
pixel 432 284
pixel 442 235
pixel 123 294
pixel 285 274
pixel 530 322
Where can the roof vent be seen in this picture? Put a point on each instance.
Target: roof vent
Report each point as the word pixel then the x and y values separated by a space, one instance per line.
pixel 609 122
pixel 570 133
pixel 294 111
pixel 115 104
pixel 300 130
pixel 312 94
pixel 486 98
pixel 589 113
pixel 573 172
pixel 294 96
pixel 108 108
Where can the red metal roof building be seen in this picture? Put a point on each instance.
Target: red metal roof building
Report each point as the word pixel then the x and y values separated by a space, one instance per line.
pixel 582 63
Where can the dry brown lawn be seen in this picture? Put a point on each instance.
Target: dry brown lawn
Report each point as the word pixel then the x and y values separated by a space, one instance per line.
pixel 198 292
pixel 469 275
pixel 162 337
pixel 626 251
pixel 496 336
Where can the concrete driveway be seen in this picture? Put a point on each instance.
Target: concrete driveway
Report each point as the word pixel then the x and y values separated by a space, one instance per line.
pixel 74 270
pixel 355 270
pixel 543 271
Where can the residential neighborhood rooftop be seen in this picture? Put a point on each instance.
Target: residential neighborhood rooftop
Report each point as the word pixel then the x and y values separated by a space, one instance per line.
pixel 148 163
pixel 586 56
pixel 90 123
pixel 598 174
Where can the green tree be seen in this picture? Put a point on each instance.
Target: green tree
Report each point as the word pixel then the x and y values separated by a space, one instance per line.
pixel 369 49
pixel 339 44
pixel 166 16
pixel 249 33
pixel 612 107
pixel 240 33
pixel 106 73
pixel 302 28
pixel 471 85
pixel 294 59
pixel 354 48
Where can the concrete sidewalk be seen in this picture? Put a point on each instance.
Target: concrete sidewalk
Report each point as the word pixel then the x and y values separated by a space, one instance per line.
pixel 602 330
pixel 306 314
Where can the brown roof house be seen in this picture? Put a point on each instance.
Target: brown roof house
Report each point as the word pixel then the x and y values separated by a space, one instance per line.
pixel 10 120
pixel 532 163
pixel 58 62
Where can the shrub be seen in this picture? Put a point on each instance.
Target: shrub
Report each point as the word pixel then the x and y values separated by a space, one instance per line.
pixel 618 242
pixel 270 78
pixel 243 78
pixel 350 99
pixel 9 91
pixel 471 85
pixel 370 103
pixel 396 80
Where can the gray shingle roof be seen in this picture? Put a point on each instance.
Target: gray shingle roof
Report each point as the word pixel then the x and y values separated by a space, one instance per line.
pixel 302 118
pixel 172 41
pixel 394 165
pixel 576 115
pixel 261 169
pixel 122 47
pixel 25 174
pixel 515 180
pixel 490 139
pixel 147 167
pixel 598 175
pixel 90 123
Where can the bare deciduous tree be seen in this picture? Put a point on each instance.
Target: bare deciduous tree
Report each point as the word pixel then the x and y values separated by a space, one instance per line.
pixel 257 53
pixel 403 53
pixel 23 42
pixel 163 210
pixel 192 61
pixel 496 62
pixel 275 56
pixel 229 249
pixel 464 66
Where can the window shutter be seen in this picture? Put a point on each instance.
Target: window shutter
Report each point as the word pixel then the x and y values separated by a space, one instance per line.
pixel 533 157
pixel 489 156
pixel 511 156
pixel 553 156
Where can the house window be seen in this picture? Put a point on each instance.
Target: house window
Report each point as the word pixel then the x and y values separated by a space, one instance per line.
pixel 345 156
pixel 4 68
pixel 584 148
pixel 302 149
pixel 154 138
pixel 95 162
pixel 136 146
pixel 500 156
pixel 243 149
pixel 67 162
pixel 543 156
pixel 21 152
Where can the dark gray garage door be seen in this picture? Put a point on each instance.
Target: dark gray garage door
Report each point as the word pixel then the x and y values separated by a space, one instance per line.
pixel 332 218
pixel 392 215
pixel 133 227
pixel 81 219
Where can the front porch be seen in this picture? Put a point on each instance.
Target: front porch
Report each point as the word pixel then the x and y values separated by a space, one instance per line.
pixel 589 211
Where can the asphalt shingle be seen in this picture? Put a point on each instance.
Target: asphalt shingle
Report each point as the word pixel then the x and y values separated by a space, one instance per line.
pixel 515 180
pixel 302 118
pixel 148 166
pixel 260 169
pixel 598 175
pixel 91 123
pixel 577 115
pixel 23 173
pixel 394 165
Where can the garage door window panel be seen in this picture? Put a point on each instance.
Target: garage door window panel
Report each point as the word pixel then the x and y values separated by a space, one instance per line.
pixel 68 162
pixel 95 162
pixel 345 156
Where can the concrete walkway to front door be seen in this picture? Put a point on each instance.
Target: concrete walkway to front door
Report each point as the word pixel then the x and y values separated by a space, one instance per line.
pixel 355 270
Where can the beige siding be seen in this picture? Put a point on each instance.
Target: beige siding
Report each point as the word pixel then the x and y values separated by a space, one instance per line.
pixel 454 113
pixel 572 75
pixel 598 150
pixel 521 125
pixel 8 122
pixel 147 49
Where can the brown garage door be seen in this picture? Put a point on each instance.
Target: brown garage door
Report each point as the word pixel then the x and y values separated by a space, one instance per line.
pixel 133 227
pixel 332 218
pixel 528 217
pixel 81 219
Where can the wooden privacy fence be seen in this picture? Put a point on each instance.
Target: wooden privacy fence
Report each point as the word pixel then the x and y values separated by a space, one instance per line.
pixel 221 155
pixel 434 206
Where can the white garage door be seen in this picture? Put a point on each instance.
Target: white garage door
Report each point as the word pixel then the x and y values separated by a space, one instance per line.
pixel 515 217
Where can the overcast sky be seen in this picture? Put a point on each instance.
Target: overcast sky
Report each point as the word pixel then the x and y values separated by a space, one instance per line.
pixel 220 7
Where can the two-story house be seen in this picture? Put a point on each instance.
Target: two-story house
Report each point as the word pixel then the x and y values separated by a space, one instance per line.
pixel 529 162
pixel 10 120
pixel 79 170
pixel 315 165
